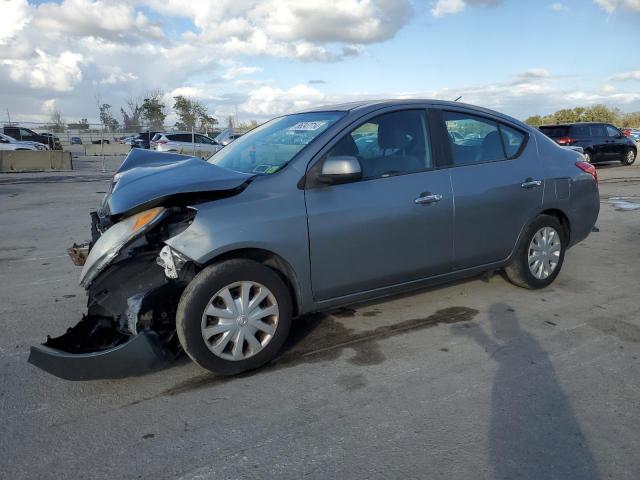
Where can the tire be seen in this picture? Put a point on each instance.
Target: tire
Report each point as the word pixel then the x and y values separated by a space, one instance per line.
pixel 588 156
pixel 519 271
pixel 629 157
pixel 204 293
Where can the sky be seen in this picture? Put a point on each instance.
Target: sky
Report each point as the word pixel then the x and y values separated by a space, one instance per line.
pixel 260 58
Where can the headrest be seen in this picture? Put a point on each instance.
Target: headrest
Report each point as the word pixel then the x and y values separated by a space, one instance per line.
pixel 391 134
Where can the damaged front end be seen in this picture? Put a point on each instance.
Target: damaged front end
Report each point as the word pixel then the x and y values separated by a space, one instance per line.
pixel 133 282
pixel 133 279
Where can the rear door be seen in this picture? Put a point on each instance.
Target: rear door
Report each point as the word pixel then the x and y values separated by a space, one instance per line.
pixel 497 185
pixel 599 139
pixel 616 143
pixel 395 225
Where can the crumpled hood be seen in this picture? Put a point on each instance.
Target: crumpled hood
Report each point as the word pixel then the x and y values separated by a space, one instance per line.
pixel 147 178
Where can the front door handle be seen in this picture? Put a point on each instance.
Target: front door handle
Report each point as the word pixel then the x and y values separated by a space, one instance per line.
pixel 427 198
pixel 529 183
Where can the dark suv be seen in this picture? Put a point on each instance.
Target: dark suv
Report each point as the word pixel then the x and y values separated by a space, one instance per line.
pixel 26 135
pixel 144 139
pixel 601 142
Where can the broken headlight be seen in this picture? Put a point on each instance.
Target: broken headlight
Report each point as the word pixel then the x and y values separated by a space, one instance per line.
pixel 111 242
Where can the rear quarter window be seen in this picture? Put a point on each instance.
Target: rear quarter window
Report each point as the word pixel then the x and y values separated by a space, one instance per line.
pixel 512 139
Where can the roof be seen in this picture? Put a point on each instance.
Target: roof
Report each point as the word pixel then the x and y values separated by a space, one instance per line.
pixel 571 124
pixel 375 104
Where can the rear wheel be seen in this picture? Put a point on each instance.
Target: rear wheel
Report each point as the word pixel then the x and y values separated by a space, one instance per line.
pixel 538 259
pixel 629 157
pixel 234 316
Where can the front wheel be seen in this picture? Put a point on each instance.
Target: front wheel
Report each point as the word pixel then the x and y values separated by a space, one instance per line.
pixel 629 157
pixel 538 259
pixel 234 316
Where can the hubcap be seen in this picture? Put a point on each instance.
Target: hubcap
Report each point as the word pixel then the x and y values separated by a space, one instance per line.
pixel 630 156
pixel 544 252
pixel 240 320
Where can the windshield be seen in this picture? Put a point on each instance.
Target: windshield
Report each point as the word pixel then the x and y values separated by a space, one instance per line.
pixel 271 146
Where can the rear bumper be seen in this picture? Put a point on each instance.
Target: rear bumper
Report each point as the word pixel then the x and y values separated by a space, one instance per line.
pixel 139 355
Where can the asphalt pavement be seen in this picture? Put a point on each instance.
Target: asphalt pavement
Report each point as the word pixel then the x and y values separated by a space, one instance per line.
pixel 474 380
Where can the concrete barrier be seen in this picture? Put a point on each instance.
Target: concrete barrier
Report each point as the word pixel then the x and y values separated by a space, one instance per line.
pixel 106 149
pixel 197 153
pixel 34 161
pixel 78 149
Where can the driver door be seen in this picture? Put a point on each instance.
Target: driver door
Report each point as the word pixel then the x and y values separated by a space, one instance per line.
pixel 394 225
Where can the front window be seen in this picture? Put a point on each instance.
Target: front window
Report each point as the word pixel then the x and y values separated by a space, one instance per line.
pixel 271 146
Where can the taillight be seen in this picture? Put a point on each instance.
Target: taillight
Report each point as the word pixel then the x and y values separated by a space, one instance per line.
pixel 588 168
pixel 566 140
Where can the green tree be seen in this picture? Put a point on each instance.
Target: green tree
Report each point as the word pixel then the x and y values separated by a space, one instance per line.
pixel 154 110
pixel 534 121
pixel 565 115
pixel 192 114
pixel 106 118
pixel 600 113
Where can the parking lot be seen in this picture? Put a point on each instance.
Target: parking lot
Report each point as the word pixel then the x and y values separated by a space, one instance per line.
pixel 474 380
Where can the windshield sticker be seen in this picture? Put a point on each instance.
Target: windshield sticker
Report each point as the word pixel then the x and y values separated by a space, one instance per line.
pixel 307 126
pixel 263 168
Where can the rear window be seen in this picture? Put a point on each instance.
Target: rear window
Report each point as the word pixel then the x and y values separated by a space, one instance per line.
pixel 180 137
pixel 473 139
pixel 581 131
pixel 555 131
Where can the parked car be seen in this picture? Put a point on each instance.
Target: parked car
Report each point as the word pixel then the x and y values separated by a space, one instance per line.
pixel 227 136
pixel 75 141
pixel 143 140
pixel 24 134
pixel 219 257
pixel 9 143
pixel 635 135
pixel 52 140
pixel 601 142
pixel 183 142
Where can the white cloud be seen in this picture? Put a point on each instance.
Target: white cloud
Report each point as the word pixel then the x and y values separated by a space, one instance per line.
pixel 116 21
pixel 534 92
pixel 13 18
pixel 627 76
pixel 268 101
pixel 235 70
pixel 610 6
pixel 114 78
pixel 60 73
pixel 449 7
pixel 559 7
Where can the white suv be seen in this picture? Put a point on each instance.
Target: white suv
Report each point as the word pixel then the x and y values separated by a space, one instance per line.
pixel 9 143
pixel 186 143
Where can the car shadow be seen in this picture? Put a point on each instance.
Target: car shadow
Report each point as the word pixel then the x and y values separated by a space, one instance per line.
pixel 320 337
pixel 534 432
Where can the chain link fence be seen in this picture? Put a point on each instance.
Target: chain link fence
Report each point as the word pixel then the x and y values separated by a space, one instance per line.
pixel 99 139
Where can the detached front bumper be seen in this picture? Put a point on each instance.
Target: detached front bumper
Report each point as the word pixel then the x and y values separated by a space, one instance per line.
pixel 129 327
pixel 140 354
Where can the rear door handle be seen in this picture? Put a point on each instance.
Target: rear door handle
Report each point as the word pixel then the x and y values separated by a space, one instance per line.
pixel 427 198
pixel 531 183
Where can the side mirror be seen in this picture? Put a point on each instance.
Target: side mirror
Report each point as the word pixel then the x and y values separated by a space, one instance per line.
pixel 340 169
